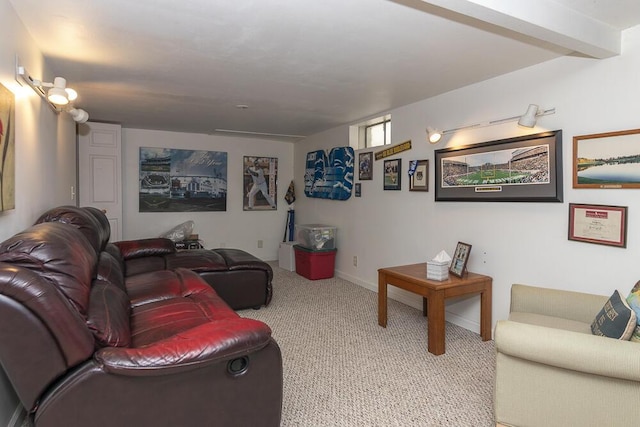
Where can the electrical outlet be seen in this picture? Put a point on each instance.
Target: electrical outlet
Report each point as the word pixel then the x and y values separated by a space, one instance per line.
pixel 259 243
pixel 355 261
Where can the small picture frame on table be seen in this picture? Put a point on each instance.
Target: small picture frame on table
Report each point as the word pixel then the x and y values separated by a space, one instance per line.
pixel 460 258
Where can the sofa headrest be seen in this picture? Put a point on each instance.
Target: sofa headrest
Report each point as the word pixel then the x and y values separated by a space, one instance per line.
pixel 58 253
pixel 84 219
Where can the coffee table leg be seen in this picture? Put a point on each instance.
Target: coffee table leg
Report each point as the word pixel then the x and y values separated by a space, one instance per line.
pixel 435 319
pixel 382 299
pixel 485 314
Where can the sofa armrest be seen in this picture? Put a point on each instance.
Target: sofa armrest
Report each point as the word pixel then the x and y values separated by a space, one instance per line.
pixel 563 349
pixel 139 248
pixel 205 344
pixel 578 306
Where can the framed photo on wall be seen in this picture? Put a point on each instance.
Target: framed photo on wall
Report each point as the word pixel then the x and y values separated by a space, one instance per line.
pixel 460 258
pixel 392 174
pixel 365 166
pixel 607 160
pixel 420 177
pixel 600 224
pixel 259 183
pixel 522 169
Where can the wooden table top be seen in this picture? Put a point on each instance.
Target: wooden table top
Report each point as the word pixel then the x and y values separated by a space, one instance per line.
pixel 417 273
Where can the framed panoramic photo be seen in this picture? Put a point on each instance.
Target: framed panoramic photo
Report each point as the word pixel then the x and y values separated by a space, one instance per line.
pixel 365 166
pixel 607 160
pixel 522 169
pixel 419 170
pixel 460 258
pixel 392 174
pixel 600 224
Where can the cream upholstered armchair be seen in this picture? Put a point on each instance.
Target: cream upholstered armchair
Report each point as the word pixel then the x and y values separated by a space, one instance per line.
pixel 552 371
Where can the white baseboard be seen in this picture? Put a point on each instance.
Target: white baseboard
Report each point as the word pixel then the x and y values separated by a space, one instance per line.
pixel 412 300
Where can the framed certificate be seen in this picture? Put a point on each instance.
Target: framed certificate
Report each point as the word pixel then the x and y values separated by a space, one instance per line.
pixel 600 224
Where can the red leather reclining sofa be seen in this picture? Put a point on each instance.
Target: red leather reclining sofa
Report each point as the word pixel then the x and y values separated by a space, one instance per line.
pixel 85 344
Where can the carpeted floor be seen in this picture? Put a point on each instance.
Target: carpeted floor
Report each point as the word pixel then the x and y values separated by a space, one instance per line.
pixel 342 369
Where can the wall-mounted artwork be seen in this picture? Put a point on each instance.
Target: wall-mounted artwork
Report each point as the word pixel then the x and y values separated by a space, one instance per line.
pixel 329 176
pixel 522 169
pixel 173 180
pixel 260 180
pixel 7 150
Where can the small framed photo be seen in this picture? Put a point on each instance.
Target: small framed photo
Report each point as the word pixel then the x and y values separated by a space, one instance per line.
pixel 460 258
pixel 392 174
pixel 600 224
pixel 358 189
pixel 365 166
pixel 419 172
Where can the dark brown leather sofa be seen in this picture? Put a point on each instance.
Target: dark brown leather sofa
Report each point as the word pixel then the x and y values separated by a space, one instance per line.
pixel 85 345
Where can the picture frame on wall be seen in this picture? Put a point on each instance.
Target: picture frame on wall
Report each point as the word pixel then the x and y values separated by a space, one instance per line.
pixel 358 189
pixel 460 259
pixel 392 174
pixel 522 169
pixel 607 160
pixel 419 180
pixel 599 224
pixel 259 178
pixel 365 166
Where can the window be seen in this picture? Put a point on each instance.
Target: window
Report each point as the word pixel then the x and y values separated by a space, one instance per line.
pixel 372 133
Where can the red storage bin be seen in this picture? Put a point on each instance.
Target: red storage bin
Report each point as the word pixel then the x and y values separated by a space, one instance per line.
pixel 315 264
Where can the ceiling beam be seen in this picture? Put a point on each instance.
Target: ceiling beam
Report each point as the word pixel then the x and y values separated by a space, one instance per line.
pixel 544 20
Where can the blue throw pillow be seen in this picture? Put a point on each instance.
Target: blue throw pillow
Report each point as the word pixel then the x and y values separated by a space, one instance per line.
pixel 615 320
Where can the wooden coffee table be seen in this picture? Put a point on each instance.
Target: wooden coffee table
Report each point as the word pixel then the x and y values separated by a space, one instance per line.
pixel 413 278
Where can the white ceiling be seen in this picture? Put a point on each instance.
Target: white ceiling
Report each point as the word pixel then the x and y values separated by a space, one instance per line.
pixel 301 66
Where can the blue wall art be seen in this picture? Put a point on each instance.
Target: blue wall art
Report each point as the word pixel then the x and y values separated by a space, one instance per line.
pixel 329 176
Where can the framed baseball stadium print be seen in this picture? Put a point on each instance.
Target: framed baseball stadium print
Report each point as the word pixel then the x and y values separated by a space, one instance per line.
pixel 259 183
pixel 522 169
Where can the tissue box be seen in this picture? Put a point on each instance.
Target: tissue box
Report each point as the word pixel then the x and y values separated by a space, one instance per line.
pixel 437 270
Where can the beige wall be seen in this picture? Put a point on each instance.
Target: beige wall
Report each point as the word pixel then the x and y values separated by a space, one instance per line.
pixel 512 242
pixel 45 150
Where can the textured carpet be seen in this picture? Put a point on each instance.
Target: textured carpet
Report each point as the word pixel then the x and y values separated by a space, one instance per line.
pixel 342 369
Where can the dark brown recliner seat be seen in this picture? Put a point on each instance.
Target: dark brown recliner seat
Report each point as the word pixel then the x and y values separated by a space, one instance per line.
pixel 242 280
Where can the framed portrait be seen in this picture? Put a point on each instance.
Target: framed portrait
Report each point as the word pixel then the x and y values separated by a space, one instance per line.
pixel 419 172
pixel 392 174
pixel 358 189
pixel 460 258
pixel 607 160
pixel 600 224
pixel 365 166
pixel 259 183
pixel 522 169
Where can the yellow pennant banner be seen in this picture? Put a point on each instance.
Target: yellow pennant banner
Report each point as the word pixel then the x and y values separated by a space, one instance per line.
pixel 399 148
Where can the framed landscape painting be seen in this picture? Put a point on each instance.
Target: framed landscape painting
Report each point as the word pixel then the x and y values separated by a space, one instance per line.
pixel 522 169
pixel 607 160
pixel 7 150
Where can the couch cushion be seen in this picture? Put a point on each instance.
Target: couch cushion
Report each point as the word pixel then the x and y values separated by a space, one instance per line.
pixel 197 260
pixel 164 284
pixel 634 302
pixel 616 319
pixel 550 322
pixel 108 315
pixel 84 220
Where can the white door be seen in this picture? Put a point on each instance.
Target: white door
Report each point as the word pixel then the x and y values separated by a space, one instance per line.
pixel 99 171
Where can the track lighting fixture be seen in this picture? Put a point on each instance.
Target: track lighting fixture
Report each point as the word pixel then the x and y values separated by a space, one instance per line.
pixel 57 94
pixel 528 119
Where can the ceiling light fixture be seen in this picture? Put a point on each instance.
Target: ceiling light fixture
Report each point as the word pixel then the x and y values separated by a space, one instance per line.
pixel 528 119
pixel 57 94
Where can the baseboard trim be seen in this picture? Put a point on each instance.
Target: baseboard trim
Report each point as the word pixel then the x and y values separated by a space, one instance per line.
pixel 411 300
